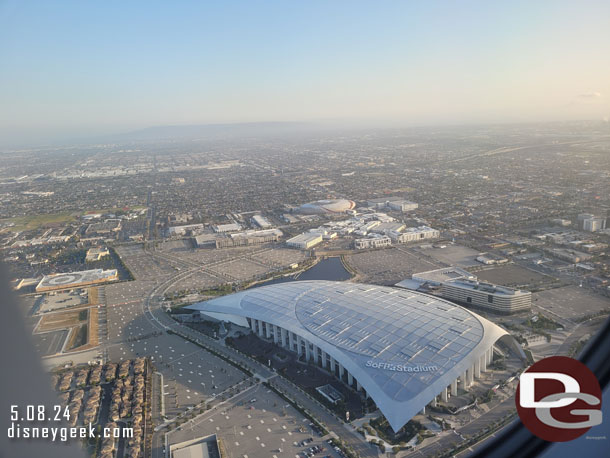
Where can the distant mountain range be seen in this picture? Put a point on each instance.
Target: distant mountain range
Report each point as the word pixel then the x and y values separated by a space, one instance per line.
pixel 216 130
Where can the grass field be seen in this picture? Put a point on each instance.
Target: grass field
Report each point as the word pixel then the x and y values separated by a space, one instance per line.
pixel 24 223
pixel 113 210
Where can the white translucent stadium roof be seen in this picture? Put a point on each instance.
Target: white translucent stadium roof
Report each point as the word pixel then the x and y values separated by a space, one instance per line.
pixel 402 346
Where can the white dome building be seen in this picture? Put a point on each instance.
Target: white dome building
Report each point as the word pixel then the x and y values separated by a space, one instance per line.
pixel 321 207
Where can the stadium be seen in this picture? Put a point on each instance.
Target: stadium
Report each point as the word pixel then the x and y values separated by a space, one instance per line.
pixel 322 207
pixel 401 348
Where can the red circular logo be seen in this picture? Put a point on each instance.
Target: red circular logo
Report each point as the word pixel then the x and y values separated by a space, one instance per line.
pixel 558 399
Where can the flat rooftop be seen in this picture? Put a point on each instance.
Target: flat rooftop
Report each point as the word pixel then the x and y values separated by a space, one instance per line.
pixel 73 279
pixel 486 287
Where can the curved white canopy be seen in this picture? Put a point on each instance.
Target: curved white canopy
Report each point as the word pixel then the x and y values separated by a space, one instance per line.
pixel 403 347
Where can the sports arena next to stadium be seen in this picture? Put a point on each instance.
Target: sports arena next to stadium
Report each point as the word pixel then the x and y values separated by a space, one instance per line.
pixel 326 206
pixel 402 348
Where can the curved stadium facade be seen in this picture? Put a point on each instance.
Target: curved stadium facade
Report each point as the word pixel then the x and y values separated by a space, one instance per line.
pixel 402 348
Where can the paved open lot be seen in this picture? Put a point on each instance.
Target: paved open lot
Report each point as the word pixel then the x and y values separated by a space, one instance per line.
pixel 143 265
pixel 63 299
pixel 200 280
pixel 389 266
pixel 453 255
pixel 191 374
pixel 49 343
pixel 570 302
pixel 256 423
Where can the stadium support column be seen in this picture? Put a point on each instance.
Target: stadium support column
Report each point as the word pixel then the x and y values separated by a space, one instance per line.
pixel 433 402
pixel 307 350
pixel 260 328
pixel 469 376
pixel 490 359
pixel 299 345
pixel 465 380
pixel 477 368
pixel 483 363
pixel 276 334
pixel 350 379
pixel 268 330
pixel 444 395
pixel 358 386
pixel 341 370
pixel 290 341
pixel 283 337
pixel 454 387
pixel 332 365
pixel 315 354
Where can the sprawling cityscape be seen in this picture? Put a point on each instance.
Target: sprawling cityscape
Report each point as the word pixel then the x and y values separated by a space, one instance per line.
pixel 340 293
pixel 319 229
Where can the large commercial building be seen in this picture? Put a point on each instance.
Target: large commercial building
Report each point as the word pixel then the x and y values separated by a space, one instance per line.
pixel 372 242
pixel 403 349
pixel 260 221
pixel 96 253
pixel 305 241
pixel 230 227
pixel 393 203
pixel 594 224
pixel 414 234
pixel 322 207
pixel 496 298
pixel 76 279
pixel 182 230
pixel 249 238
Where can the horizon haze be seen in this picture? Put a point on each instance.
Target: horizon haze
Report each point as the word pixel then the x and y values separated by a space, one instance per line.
pixel 74 70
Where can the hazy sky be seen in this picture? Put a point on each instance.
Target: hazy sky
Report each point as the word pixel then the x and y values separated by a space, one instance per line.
pixel 86 67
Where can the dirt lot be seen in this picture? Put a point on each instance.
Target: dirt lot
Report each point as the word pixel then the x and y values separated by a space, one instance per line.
pixel 61 320
pixel 388 266
pixel 514 276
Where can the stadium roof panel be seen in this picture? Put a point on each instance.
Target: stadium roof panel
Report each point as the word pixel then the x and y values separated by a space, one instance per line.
pixel 403 347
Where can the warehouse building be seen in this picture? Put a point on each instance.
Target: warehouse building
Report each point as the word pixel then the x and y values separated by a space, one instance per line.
pixel 305 241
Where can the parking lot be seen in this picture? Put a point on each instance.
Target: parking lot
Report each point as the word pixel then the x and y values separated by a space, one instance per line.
pixel 570 302
pixel 63 299
pixel 143 265
pixel 191 374
pixel 255 424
